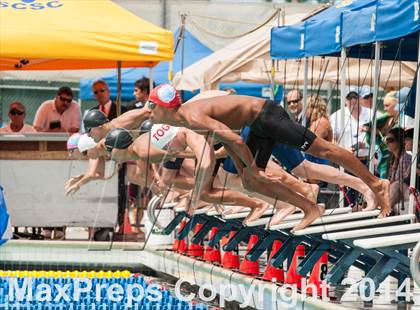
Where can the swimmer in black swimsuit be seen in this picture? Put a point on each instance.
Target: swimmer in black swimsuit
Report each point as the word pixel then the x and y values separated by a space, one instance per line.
pixel 269 124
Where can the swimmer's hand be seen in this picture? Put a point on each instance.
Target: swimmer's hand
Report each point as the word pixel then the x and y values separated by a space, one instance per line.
pixel 72 181
pixel 72 189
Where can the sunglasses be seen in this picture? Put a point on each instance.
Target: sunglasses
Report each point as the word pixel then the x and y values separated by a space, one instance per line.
pixel 293 101
pixel 389 140
pixel 151 105
pixel 102 90
pixel 15 112
pixel 108 148
pixel 66 100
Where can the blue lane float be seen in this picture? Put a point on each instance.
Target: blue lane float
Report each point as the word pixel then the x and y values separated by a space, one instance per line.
pixel 74 293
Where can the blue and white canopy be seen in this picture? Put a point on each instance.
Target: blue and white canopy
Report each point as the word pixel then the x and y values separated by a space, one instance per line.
pixel 348 24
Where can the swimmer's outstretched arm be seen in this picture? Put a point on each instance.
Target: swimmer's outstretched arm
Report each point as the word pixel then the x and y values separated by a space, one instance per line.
pixel 96 171
pixel 206 161
pixel 131 119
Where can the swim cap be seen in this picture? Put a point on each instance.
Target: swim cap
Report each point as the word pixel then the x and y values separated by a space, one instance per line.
pixel 72 141
pixel 146 126
pixel 94 118
pixel 165 96
pixel 118 138
pixel 85 143
pixel 162 135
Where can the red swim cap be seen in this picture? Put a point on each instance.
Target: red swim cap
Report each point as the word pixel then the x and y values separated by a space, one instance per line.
pixel 165 96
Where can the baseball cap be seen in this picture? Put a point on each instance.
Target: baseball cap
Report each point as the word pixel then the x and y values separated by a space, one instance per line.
pixel 365 91
pixel 165 96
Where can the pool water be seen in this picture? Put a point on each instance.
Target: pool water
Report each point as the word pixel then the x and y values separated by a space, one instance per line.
pixel 80 290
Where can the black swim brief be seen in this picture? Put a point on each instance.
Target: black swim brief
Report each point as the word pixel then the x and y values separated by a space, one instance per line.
pixel 174 164
pixel 273 125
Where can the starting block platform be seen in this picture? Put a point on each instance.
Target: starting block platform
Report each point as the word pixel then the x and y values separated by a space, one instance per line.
pixel 377 246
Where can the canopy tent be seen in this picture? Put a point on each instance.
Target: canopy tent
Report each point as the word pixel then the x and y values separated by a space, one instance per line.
pixel 189 51
pixel 350 24
pixel 209 71
pixel 240 62
pixel 66 34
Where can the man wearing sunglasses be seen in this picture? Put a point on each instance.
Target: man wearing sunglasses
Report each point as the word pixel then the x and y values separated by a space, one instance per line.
pixel 17 113
pixel 101 92
pixel 295 106
pixel 61 114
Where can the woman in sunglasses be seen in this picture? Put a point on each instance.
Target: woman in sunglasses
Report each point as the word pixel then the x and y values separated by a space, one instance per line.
pixel 400 165
pixel 17 113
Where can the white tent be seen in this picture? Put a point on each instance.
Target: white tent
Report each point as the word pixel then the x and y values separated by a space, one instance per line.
pixel 248 59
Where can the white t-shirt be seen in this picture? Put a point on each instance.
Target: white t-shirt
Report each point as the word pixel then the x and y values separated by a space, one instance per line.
pixel 162 135
pixel 350 133
pixel 26 128
pixel 47 113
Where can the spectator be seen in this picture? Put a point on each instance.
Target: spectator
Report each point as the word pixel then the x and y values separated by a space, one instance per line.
pixel 101 91
pixel 400 165
pixel 61 114
pixel 384 123
pixel 17 114
pixel 319 123
pixel 141 93
pixel 366 97
pixel 409 133
pixel 294 102
pixel 350 134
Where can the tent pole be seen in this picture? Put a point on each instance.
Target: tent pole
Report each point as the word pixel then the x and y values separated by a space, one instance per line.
pixel 343 78
pixel 150 79
pixel 305 90
pixel 329 96
pixel 118 88
pixel 375 106
pixel 415 137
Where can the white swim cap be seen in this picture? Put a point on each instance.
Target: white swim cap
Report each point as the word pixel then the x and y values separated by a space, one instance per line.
pixel 162 135
pixel 85 143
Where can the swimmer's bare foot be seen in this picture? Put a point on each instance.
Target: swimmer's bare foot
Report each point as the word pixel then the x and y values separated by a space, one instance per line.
pixel 256 213
pixel 281 214
pixel 313 192
pixel 235 209
pixel 381 190
pixel 370 199
pixel 219 208
pixel 309 217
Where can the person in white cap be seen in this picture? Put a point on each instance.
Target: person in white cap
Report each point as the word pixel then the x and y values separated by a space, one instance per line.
pixel 96 165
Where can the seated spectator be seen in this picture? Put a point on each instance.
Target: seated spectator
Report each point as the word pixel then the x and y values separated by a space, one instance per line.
pixel 141 93
pixel 318 122
pixel 61 114
pixel 101 91
pixel 17 114
pixel 400 166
